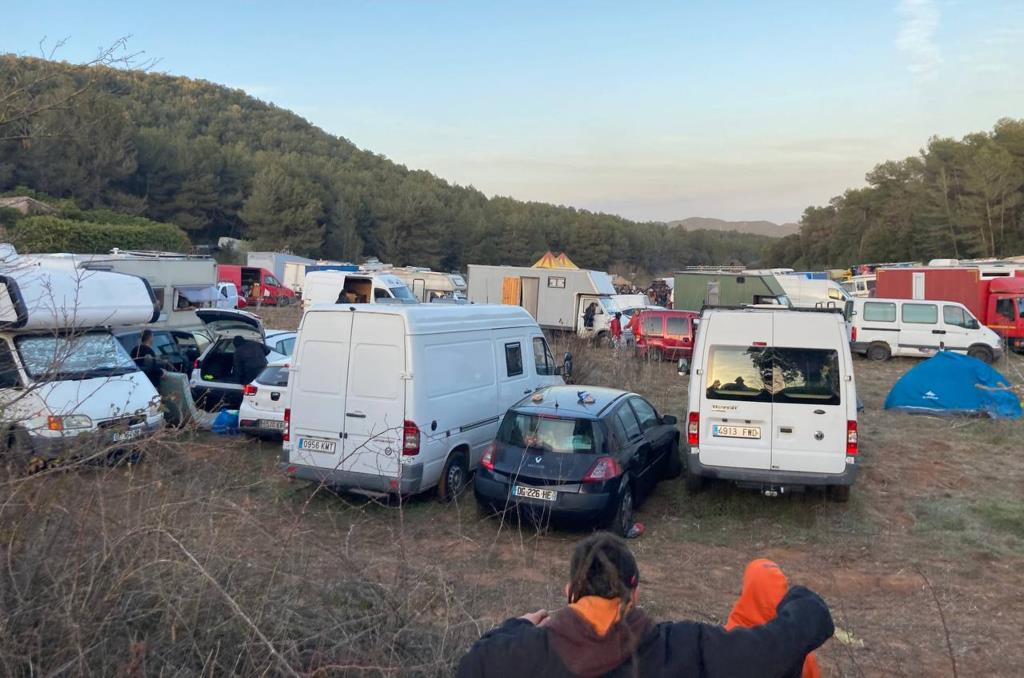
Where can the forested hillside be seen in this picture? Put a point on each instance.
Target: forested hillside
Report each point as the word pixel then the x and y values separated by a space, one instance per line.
pixel 217 162
pixel 959 199
pixel 767 228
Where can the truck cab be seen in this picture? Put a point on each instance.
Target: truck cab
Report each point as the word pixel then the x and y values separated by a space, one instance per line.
pixel 1005 312
pixel 257 286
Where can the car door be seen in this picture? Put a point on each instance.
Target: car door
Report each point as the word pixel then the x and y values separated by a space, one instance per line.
pixel 657 439
pixel 629 456
pixel 955 320
pixel 166 349
pixel 920 332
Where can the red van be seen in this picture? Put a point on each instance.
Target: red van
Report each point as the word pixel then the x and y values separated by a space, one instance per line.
pixel 256 285
pixel 664 334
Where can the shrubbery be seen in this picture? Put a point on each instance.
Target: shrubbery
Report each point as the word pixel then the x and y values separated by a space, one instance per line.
pixel 53 234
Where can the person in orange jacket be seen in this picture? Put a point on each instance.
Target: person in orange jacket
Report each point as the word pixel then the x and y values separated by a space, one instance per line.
pixel 764 586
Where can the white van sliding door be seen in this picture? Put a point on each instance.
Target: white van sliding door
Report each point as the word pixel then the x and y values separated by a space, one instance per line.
pixel 919 329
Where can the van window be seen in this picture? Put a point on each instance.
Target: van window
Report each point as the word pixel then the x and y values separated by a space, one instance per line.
pixel 556 281
pixel 955 316
pixel 542 357
pixel 9 377
pixel 1004 307
pixel 379 294
pixel 158 292
pixel 739 373
pixel 628 421
pixel 677 327
pixel 513 359
pixel 921 314
pixel 530 431
pixel 835 294
pixel 646 415
pixel 876 311
pixel 805 376
pixel 272 281
pixel 652 325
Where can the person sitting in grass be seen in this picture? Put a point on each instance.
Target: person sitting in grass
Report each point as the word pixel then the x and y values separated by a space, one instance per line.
pixel 603 632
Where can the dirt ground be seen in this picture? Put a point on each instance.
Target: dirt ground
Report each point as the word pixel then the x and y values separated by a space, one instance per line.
pixel 923 567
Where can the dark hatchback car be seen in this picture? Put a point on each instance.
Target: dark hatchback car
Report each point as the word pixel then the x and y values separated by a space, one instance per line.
pixel 581 453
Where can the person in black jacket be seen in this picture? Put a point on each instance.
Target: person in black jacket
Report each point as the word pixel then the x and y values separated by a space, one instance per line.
pixel 603 632
pixel 249 360
pixel 146 360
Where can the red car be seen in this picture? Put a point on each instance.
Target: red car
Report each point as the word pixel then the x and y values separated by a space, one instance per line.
pixel 664 334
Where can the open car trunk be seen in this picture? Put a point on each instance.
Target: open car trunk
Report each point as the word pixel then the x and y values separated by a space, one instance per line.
pixel 224 322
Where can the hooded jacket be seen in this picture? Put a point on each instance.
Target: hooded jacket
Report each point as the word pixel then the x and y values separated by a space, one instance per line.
pixel 764 586
pixel 568 644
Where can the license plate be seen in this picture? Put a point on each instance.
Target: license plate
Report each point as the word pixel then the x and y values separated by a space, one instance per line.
pixel 272 424
pixel 719 431
pixel 318 445
pixel 534 493
pixel 125 436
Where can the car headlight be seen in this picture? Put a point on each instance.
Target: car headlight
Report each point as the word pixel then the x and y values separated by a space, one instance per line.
pixel 154 405
pixel 69 421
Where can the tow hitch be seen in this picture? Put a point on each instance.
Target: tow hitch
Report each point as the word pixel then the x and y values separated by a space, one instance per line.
pixel 773 491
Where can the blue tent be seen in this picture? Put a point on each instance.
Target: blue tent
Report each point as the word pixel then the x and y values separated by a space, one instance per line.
pixel 950 383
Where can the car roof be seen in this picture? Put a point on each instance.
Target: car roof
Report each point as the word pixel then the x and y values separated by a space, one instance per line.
pixel 564 401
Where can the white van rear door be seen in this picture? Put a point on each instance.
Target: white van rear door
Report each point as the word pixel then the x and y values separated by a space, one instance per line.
pixel 375 409
pixel 735 404
pixel 318 389
pixel 809 387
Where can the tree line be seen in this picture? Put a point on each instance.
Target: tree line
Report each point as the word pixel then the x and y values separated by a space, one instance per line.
pixel 216 162
pixel 955 199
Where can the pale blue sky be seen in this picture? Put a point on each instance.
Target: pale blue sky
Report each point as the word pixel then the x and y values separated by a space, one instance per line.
pixel 654 110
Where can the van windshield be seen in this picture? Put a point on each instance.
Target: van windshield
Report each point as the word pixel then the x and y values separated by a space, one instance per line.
pixel 777 374
pixel 402 293
pixel 52 357
pixel 531 431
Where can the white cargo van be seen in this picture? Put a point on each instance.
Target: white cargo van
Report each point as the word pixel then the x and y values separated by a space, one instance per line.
pixel 338 287
pixel 64 378
pixel 806 292
pixel 403 398
pixel 772 401
pixel 883 328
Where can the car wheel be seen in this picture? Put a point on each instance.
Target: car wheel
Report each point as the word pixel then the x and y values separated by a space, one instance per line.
pixel 674 466
pixel 622 521
pixel 694 482
pixel 655 354
pixel 839 493
pixel 982 353
pixel 454 478
pixel 879 352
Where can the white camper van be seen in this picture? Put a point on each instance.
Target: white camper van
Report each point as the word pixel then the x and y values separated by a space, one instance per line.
pixel 338 287
pixel 64 377
pixel 883 328
pixel 557 297
pixel 403 398
pixel 429 286
pixel 805 292
pixel 772 401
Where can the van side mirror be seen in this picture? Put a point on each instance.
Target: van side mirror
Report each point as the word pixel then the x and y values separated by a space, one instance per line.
pixel 567 364
pixel 683 366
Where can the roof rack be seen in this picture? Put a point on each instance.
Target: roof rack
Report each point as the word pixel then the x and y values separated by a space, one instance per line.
pixel 712 269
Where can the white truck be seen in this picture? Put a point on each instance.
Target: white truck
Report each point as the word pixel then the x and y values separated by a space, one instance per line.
pixel 276 263
pixel 338 287
pixel 68 388
pixel 557 297
pixel 805 292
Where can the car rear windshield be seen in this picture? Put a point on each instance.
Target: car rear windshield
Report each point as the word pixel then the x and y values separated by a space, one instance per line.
pixel 536 432
pixel 775 374
pixel 274 376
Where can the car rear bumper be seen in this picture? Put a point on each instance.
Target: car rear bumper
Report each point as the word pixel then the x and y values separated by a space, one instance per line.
pixel 88 443
pixel 769 477
pixel 410 481
pixel 495 491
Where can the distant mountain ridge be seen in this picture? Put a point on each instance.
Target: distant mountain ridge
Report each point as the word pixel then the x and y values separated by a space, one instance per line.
pixel 768 228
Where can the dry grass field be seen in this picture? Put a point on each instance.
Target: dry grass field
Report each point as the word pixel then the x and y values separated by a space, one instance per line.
pixel 204 559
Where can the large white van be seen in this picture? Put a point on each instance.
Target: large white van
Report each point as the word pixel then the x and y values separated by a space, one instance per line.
pixel 772 401
pixel 64 378
pixel 883 328
pixel 804 292
pixel 403 398
pixel 337 287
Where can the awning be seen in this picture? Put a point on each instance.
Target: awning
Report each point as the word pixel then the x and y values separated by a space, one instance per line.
pixel 199 295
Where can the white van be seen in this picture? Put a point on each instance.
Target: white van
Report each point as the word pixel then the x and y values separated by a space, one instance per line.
pixel 804 292
pixel 64 378
pixel 402 398
pixel 883 328
pixel 772 401
pixel 338 287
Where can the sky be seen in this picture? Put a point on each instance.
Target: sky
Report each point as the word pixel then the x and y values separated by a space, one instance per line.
pixel 653 110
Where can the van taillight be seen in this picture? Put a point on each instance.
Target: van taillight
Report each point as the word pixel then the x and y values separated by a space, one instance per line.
pixel 195 365
pixel 410 439
pixel 851 438
pixel 287 433
pixel 249 390
pixel 853 334
pixel 605 468
pixel 487 460
pixel 693 429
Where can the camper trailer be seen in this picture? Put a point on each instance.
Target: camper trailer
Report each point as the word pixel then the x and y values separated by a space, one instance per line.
pixel 696 289
pixel 428 286
pixel 338 287
pixel 64 378
pixel 558 298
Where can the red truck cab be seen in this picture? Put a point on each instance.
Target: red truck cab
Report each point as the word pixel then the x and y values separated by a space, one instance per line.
pixel 1005 309
pixel 256 285
pixel 663 334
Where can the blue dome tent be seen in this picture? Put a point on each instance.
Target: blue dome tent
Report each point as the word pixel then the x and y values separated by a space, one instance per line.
pixel 950 383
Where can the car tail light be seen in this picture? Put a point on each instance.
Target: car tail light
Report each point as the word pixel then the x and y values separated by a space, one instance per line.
pixel 693 429
pixel 853 334
pixel 286 435
pixel 851 439
pixel 487 460
pixel 410 439
pixel 249 390
pixel 605 468
pixel 195 365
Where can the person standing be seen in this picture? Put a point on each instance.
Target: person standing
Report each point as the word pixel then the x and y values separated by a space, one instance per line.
pixel 145 358
pixel 249 360
pixel 615 327
pixel 588 315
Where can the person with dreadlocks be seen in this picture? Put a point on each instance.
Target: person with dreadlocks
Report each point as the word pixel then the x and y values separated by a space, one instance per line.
pixel 603 632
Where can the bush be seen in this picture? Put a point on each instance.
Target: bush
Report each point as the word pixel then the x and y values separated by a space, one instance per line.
pixel 52 234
